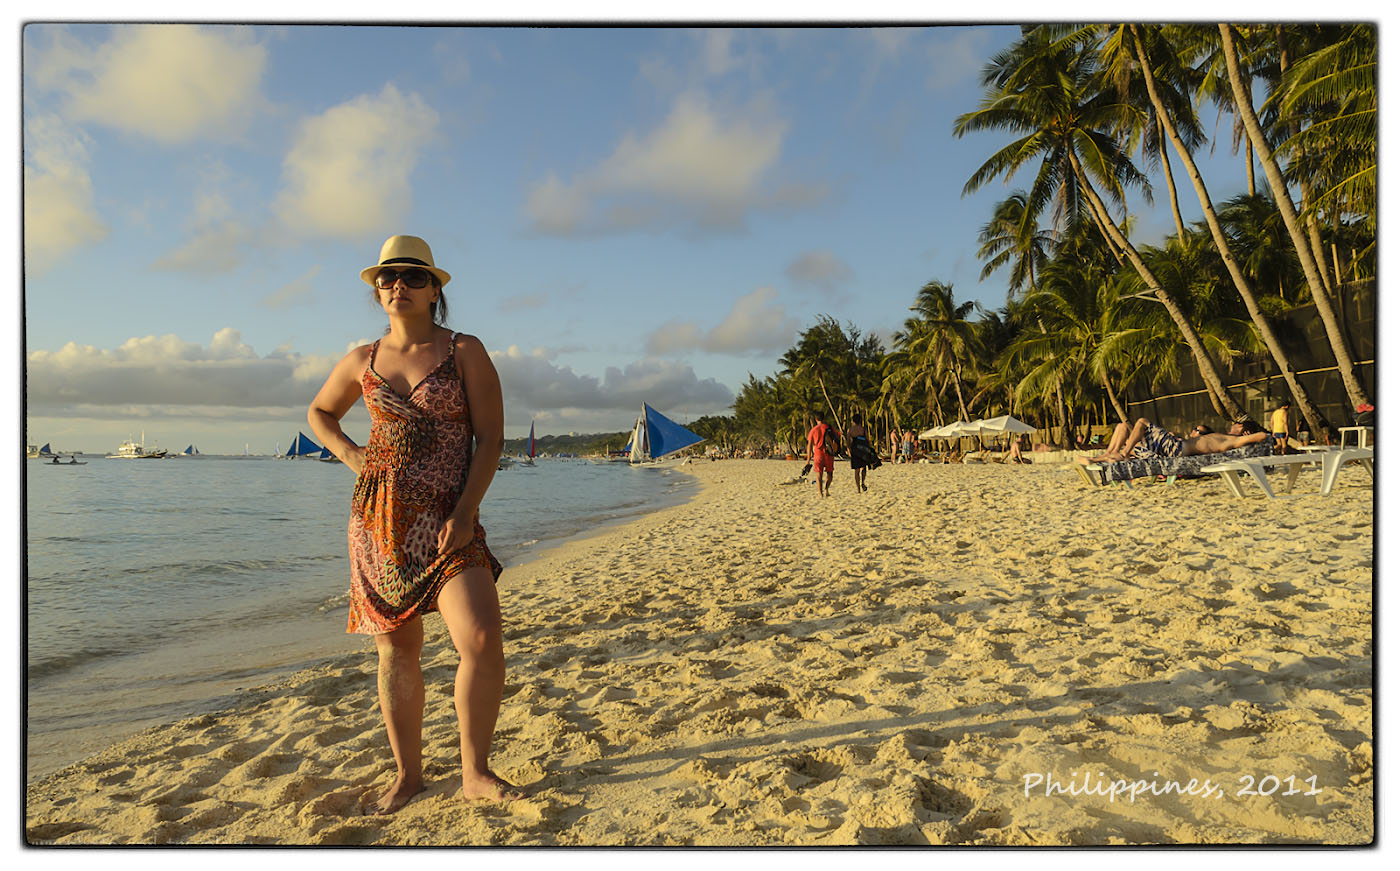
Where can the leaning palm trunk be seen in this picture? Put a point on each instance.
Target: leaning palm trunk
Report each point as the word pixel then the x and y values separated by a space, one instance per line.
pixel 1345 366
pixel 1171 181
pixel 1305 189
pixel 1209 374
pixel 1113 398
pixel 834 416
pixel 1222 245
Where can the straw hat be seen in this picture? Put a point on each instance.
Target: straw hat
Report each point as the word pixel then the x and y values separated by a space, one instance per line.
pixel 404 251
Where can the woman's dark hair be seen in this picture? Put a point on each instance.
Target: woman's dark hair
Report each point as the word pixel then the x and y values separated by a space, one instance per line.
pixel 1248 426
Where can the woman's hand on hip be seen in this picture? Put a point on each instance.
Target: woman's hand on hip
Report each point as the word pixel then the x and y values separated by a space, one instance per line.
pixel 355 459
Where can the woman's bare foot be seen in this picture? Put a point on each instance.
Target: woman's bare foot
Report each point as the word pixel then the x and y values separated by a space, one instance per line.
pixel 400 794
pixel 489 787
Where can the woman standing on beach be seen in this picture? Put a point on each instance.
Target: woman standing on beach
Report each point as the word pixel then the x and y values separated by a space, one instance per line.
pixel 416 545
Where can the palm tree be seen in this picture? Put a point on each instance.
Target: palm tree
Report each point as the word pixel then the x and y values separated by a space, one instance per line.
pixel 940 343
pixel 1256 230
pixel 1012 238
pixel 1328 102
pixel 1283 199
pixel 1242 284
pixel 1051 92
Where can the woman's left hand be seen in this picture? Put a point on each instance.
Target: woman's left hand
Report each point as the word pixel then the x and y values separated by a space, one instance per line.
pixel 456 534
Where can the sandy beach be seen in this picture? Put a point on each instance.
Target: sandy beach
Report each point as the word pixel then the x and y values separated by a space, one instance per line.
pixel 962 655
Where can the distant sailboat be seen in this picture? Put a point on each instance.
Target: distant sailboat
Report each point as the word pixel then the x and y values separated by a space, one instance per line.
pixel 190 451
pixel 328 457
pixel 655 436
pixel 530 448
pixel 302 447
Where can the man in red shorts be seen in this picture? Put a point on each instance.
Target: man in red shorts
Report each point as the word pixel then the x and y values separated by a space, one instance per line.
pixel 823 463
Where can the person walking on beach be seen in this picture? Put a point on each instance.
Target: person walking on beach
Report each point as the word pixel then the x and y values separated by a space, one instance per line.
pixel 821 453
pixel 416 544
pixel 894 444
pixel 908 447
pixel 862 454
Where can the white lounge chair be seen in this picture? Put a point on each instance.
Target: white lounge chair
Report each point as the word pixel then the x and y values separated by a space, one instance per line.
pixel 1331 462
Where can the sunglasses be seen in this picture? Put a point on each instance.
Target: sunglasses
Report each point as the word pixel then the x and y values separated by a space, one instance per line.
pixel 414 278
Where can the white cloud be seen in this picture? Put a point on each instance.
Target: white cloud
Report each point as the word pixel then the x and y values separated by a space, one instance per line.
pixel 532 381
pixel 755 324
pixel 196 387
pixel 343 177
pixel 717 51
pixel 956 55
pixel 213 249
pixel 297 291
pixel 820 268
pixel 167 371
pixel 59 211
pixel 523 302
pixel 173 83
pixel 697 169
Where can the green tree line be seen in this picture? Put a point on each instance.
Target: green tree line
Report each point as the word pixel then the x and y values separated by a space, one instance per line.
pixel 1091 317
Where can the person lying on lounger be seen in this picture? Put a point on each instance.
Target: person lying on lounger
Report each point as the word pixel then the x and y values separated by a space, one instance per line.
pixel 1147 439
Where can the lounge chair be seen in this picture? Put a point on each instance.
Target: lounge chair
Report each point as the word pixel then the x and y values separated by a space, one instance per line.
pixel 1170 468
pixel 1330 460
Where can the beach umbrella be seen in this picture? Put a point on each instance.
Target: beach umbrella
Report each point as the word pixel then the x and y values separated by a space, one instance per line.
pixel 1004 424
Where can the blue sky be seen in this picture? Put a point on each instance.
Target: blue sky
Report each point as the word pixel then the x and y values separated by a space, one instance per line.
pixel 628 214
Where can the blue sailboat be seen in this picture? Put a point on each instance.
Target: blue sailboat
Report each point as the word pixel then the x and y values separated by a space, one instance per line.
pixel 656 436
pixel 302 447
pixel 530 448
pixel 327 457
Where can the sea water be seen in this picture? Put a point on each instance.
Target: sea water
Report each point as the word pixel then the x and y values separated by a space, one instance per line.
pixel 157 589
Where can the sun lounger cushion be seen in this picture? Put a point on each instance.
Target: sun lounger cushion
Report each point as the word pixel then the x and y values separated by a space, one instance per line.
pixel 1183 467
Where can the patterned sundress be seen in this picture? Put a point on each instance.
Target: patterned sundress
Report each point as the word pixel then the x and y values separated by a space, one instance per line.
pixel 415 468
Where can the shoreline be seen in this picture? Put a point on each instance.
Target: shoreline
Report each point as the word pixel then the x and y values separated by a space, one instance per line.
pixel 720 673
pixel 279 652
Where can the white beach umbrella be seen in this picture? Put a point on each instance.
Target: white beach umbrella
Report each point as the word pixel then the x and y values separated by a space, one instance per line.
pixel 1004 424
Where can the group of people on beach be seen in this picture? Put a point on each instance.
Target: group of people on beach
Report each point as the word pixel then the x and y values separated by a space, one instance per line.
pixel 823 445
pixel 1146 439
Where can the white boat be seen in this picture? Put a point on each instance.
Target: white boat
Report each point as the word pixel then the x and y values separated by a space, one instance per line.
pixel 655 437
pixel 134 450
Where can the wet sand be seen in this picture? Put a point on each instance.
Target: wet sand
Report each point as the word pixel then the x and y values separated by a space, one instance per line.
pixel 962 655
